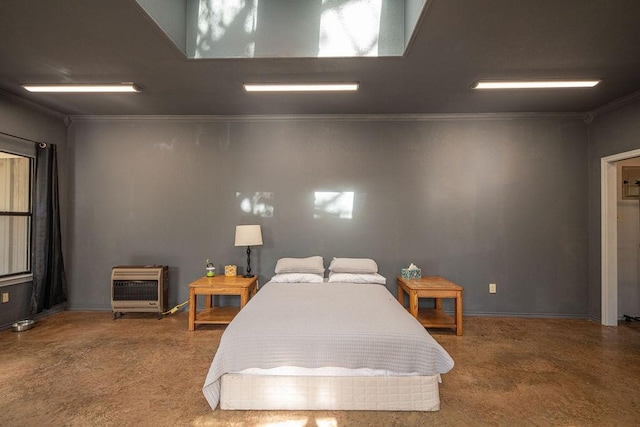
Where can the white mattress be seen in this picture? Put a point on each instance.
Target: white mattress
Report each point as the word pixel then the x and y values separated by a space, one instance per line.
pixel 282 392
pixel 324 371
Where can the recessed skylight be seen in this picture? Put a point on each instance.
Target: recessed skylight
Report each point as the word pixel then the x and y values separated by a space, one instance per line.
pixel 287 29
pixel 83 88
pixel 534 84
pixel 301 87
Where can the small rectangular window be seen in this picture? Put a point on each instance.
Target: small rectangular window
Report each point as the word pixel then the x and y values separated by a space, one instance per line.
pixel 15 214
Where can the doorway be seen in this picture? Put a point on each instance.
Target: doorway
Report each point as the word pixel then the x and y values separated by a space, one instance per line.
pixel 609 235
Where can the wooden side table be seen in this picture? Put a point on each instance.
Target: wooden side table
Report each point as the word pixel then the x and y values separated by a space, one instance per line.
pixel 219 285
pixel 432 287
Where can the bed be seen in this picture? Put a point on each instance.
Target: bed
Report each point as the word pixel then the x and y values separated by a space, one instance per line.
pixel 326 345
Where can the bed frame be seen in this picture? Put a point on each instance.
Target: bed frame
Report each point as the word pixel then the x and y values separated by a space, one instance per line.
pixel 283 392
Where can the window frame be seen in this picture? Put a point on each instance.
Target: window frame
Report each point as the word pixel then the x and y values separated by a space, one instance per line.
pixel 27 149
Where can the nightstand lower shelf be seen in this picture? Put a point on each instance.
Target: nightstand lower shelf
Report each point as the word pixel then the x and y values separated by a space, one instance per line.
pixel 216 315
pixel 432 318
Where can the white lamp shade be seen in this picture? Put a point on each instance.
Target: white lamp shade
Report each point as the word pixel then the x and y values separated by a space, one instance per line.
pixel 248 235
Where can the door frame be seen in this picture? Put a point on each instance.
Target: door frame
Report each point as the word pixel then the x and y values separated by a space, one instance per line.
pixel 609 234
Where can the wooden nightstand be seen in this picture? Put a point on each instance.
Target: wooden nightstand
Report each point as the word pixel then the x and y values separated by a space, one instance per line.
pixel 219 285
pixel 437 288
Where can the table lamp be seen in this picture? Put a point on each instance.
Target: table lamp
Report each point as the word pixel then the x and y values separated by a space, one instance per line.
pixel 248 235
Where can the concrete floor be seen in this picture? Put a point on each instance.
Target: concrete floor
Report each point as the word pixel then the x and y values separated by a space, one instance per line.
pixel 85 369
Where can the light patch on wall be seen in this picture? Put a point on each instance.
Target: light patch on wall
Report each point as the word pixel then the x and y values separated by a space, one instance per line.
pixel 333 204
pixel 163 146
pixel 220 19
pixel 258 204
pixel 350 28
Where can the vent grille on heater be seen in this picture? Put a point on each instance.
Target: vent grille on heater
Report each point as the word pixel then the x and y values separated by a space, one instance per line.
pixel 132 290
pixel 139 288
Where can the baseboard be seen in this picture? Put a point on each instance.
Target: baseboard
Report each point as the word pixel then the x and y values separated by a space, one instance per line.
pixel 466 313
pixel 528 315
pixel 45 313
pixel 89 308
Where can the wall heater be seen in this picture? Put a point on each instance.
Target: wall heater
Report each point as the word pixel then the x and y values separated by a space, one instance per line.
pixel 139 289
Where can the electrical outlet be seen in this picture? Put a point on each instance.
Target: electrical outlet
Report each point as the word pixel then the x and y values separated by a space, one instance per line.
pixel 492 288
pixel 5 297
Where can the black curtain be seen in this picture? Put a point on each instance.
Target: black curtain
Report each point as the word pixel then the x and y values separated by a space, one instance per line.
pixel 49 281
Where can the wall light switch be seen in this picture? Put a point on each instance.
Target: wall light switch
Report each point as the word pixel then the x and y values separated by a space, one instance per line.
pixel 5 297
pixel 492 288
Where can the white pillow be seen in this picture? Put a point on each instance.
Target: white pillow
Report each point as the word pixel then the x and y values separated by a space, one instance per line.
pixel 313 264
pixel 357 278
pixel 297 278
pixel 353 265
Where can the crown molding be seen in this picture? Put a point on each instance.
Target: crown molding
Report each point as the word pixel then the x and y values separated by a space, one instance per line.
pixel 324 117
pixel 612 106
pixel 33 105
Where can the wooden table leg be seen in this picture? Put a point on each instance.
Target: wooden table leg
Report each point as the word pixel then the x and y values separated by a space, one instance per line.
pixel 192 309
pixel 400 295
pixel 244 297
pixel 459 313
pixel 413 304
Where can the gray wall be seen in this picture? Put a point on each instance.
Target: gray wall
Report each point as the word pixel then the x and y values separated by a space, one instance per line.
pixel 610 133
pixel 476 199
pixel 490 199
pixel 27 121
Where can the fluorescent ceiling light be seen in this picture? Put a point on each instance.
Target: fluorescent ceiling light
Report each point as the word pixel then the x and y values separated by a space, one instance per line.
pixel 533 84
pixel 306 87
pixel 83 88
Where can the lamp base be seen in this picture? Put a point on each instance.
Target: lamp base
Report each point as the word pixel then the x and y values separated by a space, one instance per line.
pixel 249 275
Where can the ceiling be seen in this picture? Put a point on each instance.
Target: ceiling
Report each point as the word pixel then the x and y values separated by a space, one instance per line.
pixel 456 42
